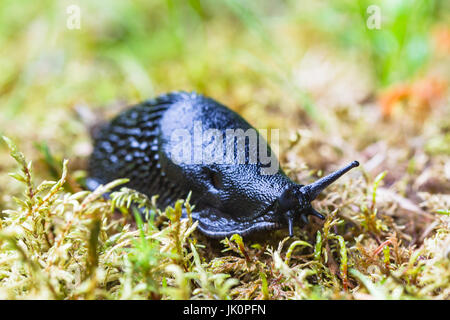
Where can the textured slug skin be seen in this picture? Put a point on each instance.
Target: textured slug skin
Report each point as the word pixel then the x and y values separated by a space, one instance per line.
pixel 228 198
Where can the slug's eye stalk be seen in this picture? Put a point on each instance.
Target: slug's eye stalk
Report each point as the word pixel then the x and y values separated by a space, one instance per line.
pixel 314 189
pixel 296 201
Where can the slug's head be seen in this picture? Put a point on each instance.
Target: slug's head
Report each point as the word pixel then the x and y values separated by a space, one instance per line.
pixel 295 201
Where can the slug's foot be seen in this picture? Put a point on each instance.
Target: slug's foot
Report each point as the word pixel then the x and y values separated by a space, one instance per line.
pixel 217 224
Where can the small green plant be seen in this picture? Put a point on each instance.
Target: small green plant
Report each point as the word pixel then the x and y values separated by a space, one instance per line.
pixel 370 220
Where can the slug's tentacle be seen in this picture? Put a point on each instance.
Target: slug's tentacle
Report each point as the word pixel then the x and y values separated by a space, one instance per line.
pixel 315 213
pixel 314 189
pixel 291 227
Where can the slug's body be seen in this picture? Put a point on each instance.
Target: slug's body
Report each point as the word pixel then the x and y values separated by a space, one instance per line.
pixel 231 197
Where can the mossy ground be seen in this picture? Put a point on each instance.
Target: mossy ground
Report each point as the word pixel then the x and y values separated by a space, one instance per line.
pixel 336 90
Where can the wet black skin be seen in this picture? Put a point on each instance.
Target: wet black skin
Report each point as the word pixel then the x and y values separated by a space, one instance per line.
pixel 229 198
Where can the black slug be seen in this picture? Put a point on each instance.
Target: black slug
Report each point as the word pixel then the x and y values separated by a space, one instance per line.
pixel 155 144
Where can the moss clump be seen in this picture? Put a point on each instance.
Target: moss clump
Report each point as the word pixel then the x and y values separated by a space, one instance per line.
pixel 61 245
